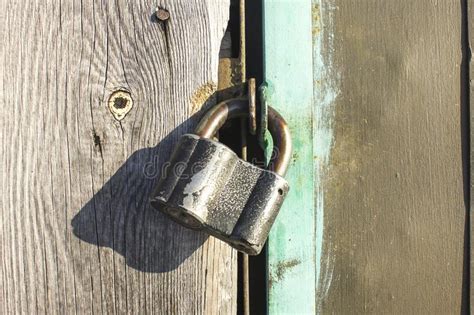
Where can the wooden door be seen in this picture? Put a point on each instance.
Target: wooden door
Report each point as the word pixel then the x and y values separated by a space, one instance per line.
pixel 77 232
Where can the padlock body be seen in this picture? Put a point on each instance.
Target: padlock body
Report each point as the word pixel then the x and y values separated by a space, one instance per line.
pixel 207 186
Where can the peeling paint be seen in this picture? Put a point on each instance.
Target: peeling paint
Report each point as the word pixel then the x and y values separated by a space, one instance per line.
pixel 282 267
pixel 326 89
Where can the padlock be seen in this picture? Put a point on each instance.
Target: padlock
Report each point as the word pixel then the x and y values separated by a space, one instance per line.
pixel 206 186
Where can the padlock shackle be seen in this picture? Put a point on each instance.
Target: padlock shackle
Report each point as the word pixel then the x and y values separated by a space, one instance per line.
pixel 216 117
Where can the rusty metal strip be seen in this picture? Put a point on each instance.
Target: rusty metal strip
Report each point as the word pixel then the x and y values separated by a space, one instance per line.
pixel 251 91
pixel 245 258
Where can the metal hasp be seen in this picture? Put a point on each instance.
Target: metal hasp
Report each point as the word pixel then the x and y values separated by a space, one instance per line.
pixel 208 187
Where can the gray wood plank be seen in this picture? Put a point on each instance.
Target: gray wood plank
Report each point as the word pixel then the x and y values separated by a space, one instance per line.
pixel 78 234
pixel 394 215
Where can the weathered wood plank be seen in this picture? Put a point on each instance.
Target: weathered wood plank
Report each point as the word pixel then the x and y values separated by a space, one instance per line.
pixel 78 234
pixel 393 193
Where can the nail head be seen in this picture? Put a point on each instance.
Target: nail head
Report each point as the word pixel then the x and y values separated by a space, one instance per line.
pixel 162 14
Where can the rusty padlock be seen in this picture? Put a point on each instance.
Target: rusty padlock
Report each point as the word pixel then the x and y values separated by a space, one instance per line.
pixel 208 187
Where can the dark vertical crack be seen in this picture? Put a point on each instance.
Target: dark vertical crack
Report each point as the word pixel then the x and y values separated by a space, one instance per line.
pixel 97 142
pixel 258 269
pixel 466 152
pixel 165 28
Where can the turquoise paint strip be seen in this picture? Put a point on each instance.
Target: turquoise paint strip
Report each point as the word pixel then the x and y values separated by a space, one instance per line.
pixel 288 67
pixel 298 65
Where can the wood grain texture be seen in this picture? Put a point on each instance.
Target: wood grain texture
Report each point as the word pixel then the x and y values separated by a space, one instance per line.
pixel 78 234
pixel 395 212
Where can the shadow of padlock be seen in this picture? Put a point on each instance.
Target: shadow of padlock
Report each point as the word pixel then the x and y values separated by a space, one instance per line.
pixel 208 187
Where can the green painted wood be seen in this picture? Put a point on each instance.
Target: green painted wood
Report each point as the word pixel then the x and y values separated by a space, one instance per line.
pixel 292 46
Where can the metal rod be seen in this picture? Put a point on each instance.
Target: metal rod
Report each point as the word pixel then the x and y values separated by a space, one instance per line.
pixel 245 257
pixel 251 87
pixel 242 55
pixel 244 125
